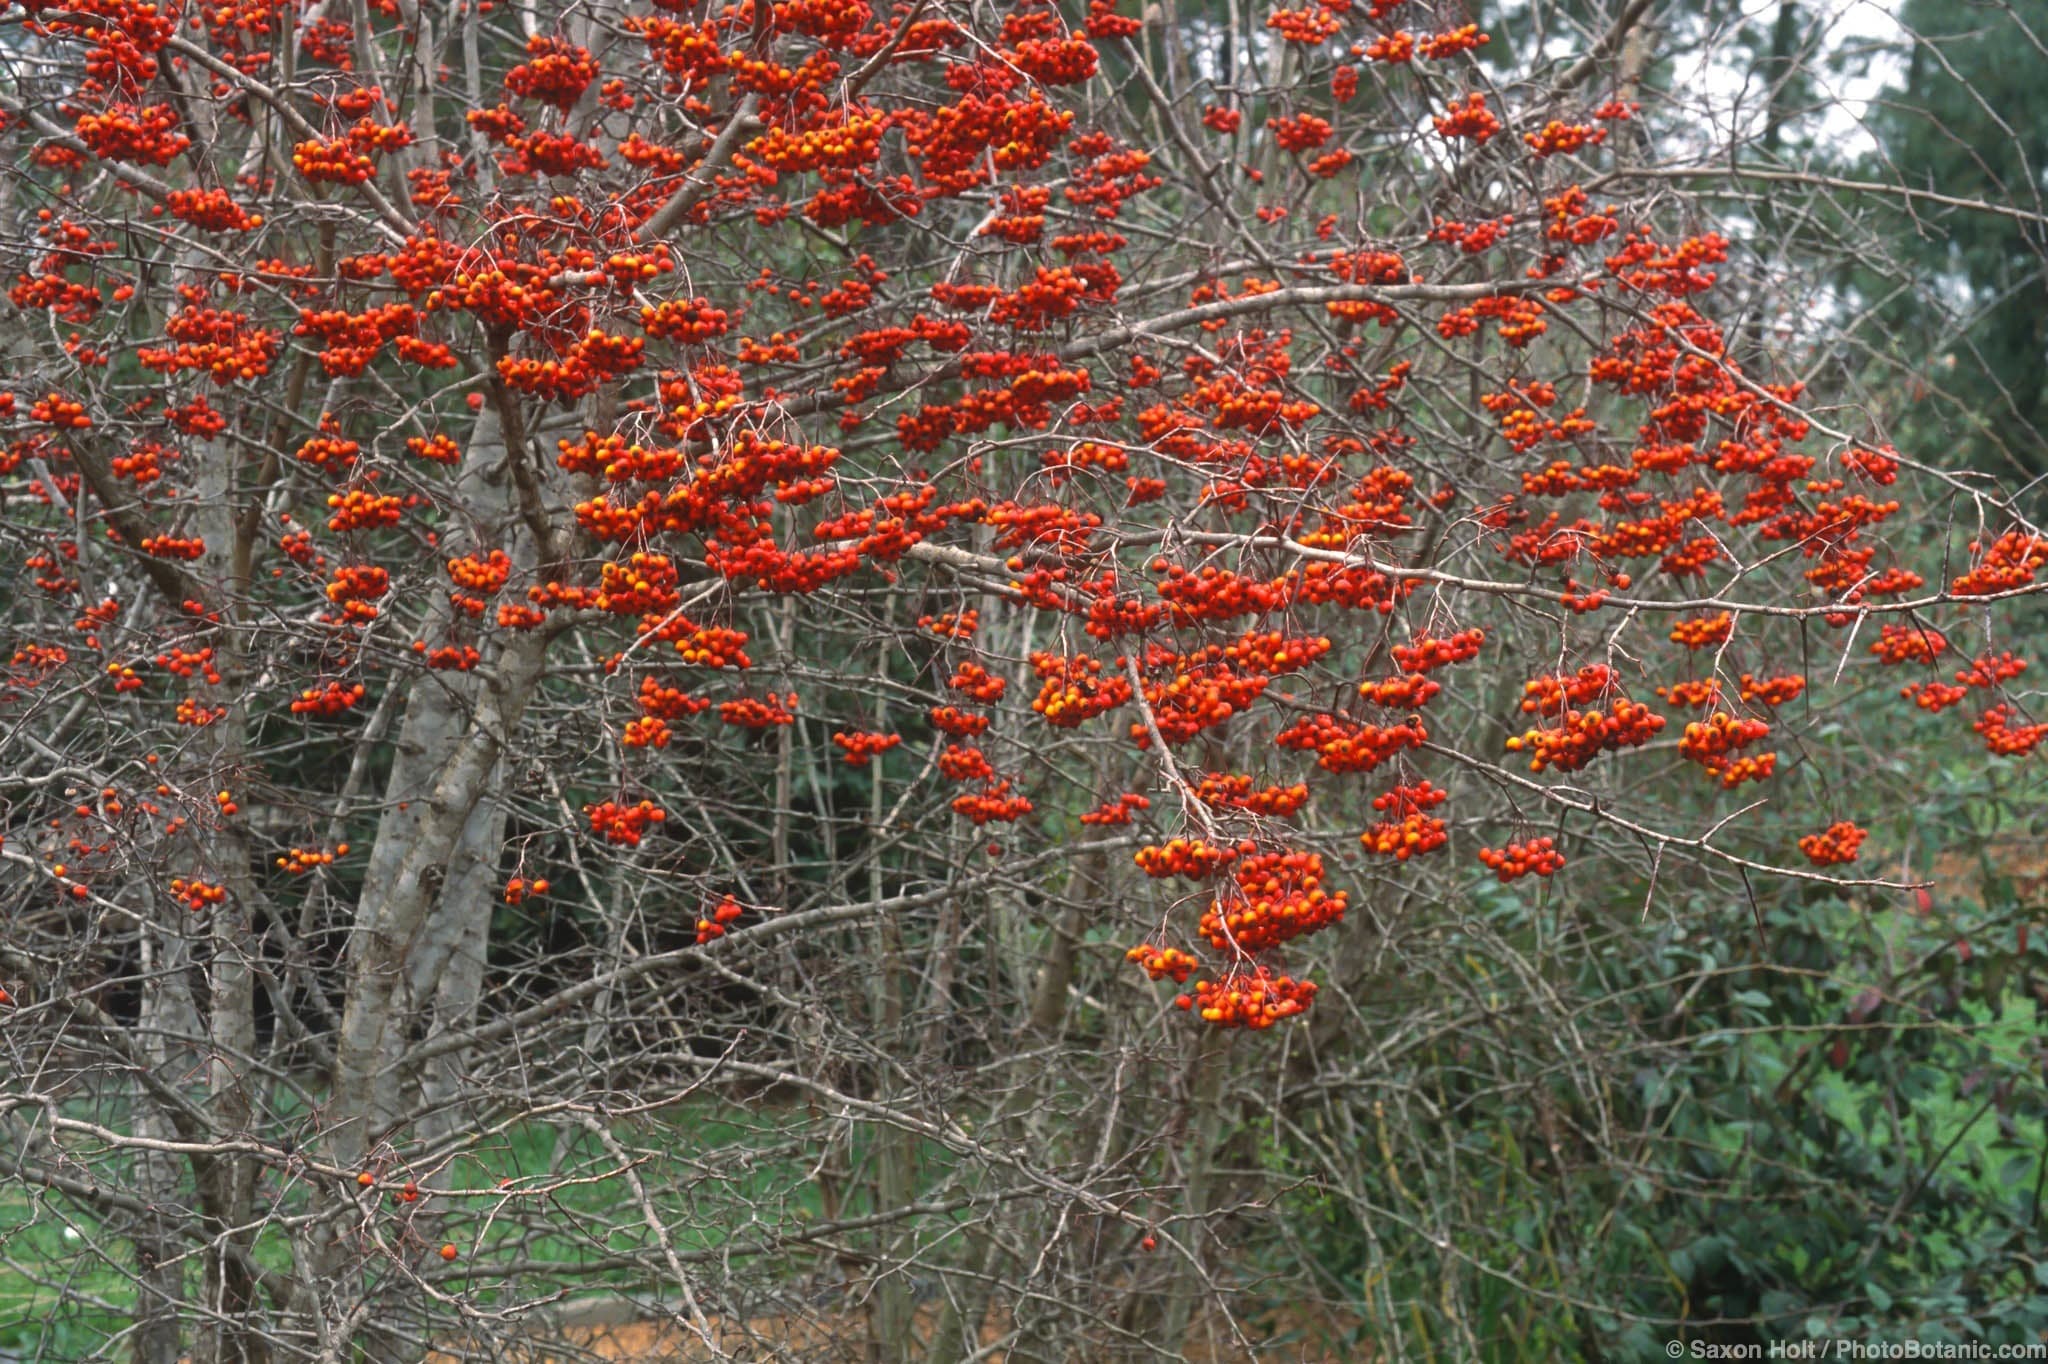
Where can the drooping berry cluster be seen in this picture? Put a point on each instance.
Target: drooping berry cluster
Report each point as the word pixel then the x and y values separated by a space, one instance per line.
pixel 2005 738
pixel 1189 857
pixel 1838 843
pixel 624 825
pixel 519 889
pixel 1714 744
pixel 862 746
pixel 1536 857
pixel 1549 695
pixel 1234 791
pixel 1255 999
pixel 714 924
pixel 1345 745
pixel 1160 963
pixel 331 698
pixel 1075 689
pixel 1581 736
pixel 1118 811
pixel 1274 896
pixel 1408 828
pixel 1897 644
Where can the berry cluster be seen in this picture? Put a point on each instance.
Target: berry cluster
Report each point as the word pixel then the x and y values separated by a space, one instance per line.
pixel 977 684
pixel 1200 693
pixel 1075 690
pixel 360 509
pixel 1581 736
pixel 1471 119
pixel 763 712
pixel 714 646
pixel 1773 691
pixel 1908 644
pixel 174 546
pixel 147 136
pixel 1934 697
pixel 518 889
pixel 1448 44
pixel 436 449
pixel 1233 791
pixel 211 210
pixel 333 161
pixel 1255 999
pixel 1537 857
pixel 1276 896
pixel 1714 742
pixel 964 762
pixel 1549 695
pixel 330 698
pixel 1520 318
pixel 299 861
pixel 1991 670
pixel 198 714
pixel 1410 691
pixel 1427 652
pixel 1311 26
pixel 181 662
pixel 1703 632
pixel 556 72
pixel 1838 843
pixel 646 731
pixel 644 585
pixel 1189 857
pixel 624 825
pixel 354 587
pixel 1557 138
pixel 960 723
pixel 1300 132
pixel 1116 811
pixel 197 895
pixel 995 803
pixel 1696 694
pixel 1163 962
pixel 862 746
pixel 713 925
pixel 1345 745
pixel 952 625
pixel 1408 828
pixel 2012 562
pixel 2006 739
pixel 667 703
pixel 479 578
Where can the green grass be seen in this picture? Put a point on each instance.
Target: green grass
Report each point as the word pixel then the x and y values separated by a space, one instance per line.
pixel 51 1280
pixel 714 1176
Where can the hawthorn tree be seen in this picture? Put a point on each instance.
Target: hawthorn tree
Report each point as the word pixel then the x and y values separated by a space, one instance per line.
pixel 640 626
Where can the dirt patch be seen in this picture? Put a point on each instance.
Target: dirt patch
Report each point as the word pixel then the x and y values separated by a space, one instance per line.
pixel 835 1338
pixel 2020 861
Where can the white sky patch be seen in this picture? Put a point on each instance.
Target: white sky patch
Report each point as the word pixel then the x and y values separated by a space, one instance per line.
pixel 1849 51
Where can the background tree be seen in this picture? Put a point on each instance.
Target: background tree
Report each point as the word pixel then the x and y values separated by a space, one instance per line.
pixel 1965 119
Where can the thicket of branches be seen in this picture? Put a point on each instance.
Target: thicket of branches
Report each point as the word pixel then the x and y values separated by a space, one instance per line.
pixel 966 680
